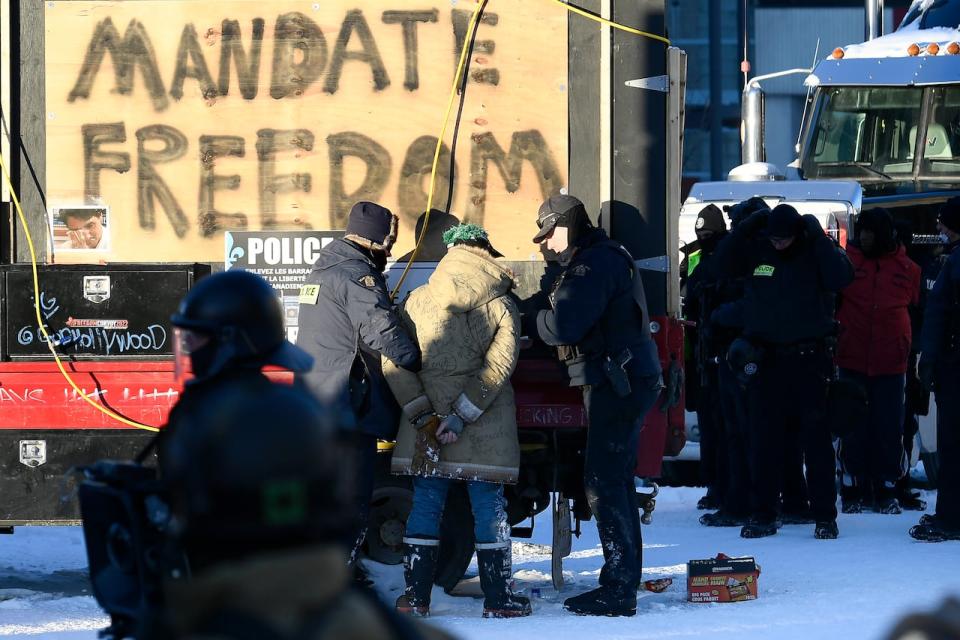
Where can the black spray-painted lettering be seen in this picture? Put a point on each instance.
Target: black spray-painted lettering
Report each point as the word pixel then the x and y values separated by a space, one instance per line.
pixel 461 23
pixel 95 135
pixel 191 64
pixel 248 70
pixel 270 142
pixel 378 162
pixel 296 35
pixel 213 147
pixel 415 173
pixel 408 21
pixel 134 50
pixel 355 22
pixel 524 145
pixel 150 185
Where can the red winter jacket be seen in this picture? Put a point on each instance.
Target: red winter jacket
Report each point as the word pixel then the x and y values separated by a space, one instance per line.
pixel 874 321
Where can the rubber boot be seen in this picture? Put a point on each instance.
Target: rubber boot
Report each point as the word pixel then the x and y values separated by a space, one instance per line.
pixel 419 565
pixel 495 569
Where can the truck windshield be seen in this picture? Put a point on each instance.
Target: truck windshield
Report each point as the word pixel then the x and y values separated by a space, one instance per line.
pixel 864 133
pixel 941 149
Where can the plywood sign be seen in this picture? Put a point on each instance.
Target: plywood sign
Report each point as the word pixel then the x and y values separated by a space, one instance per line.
pixel 189 118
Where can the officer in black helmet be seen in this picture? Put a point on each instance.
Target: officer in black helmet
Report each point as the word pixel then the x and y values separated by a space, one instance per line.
pixel 227 329
pixel 261 500
pixel 602 333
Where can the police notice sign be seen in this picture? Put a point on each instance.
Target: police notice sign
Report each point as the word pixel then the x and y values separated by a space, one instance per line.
pixel 282 258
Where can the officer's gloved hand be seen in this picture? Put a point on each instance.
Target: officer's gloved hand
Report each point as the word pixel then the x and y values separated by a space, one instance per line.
pixel 752 225
pixel 925 371
pixel 426 448
pixel 812 226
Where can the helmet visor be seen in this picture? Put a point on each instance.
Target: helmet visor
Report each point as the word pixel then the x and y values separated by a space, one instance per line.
pixel 185 342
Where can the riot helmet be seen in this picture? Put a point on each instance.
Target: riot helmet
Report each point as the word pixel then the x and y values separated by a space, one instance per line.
pixel 233 319
pixel 268 468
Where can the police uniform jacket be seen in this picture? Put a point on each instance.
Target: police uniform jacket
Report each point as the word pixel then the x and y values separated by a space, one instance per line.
pixel 790 295
pixel 594 307
pixel 346 322
pixel 940 337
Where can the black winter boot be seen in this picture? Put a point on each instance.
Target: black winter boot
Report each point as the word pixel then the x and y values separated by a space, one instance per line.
pixel 851 499
pixel 499 601
pixel 722 518
pixel 419 565
pixel 758 529
pixel 886 497
pixel 603 601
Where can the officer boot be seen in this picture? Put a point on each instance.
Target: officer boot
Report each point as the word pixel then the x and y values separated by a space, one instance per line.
pixel 886 497
pixel 851 499
pixel 499 601
pixel 419 565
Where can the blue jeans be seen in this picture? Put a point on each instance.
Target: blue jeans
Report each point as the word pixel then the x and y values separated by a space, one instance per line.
pixel 486 501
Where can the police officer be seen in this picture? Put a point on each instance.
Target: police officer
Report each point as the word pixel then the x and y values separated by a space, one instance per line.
pixel 603 335
pixel 226 329
pixel 705 293
pixel 262 509
pixel 792 272
pixel 939 370
pixel 347 321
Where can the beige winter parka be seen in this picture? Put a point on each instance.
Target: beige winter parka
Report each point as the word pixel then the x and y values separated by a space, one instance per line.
pixel 468 330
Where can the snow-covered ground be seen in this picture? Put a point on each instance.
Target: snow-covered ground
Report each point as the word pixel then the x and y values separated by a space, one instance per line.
pixel 852 588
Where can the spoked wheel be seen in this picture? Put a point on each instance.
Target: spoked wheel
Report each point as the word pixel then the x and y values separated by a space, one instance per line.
pixel 389 509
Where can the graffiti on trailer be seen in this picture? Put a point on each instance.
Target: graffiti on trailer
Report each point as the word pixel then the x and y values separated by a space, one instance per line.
pixel 86 339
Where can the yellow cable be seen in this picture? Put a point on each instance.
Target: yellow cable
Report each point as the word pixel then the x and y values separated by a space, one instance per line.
pixel 610 23
pixel 43 329
pixel 436 153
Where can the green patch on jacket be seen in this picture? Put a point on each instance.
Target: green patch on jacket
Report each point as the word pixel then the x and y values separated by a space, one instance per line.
pixel 763 270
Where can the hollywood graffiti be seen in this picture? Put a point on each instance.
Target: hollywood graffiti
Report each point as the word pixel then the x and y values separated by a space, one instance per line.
pixel 301 57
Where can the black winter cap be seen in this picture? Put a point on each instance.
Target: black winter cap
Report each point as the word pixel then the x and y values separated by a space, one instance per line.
pixel 950 214
pixel 375 224
pixel 560 210
pixel 784 222
pixel 742 210
pixel 710 219
pixel 879 221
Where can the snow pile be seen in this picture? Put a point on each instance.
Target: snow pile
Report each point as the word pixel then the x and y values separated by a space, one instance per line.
pixel 855 587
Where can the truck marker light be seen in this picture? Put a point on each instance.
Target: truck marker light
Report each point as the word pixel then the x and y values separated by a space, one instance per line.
pixel 933 48
pixel 913 50
pixel 837 53
pixel 953 48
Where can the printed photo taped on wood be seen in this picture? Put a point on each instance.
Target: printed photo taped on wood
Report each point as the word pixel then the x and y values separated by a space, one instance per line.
pixel 191 118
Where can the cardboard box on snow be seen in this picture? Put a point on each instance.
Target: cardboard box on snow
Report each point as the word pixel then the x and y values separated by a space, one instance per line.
pixel 722 579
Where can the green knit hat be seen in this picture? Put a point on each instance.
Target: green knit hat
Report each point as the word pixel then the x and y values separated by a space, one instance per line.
pixel 464 233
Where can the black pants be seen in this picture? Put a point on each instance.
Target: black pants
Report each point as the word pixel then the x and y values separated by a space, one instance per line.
pixel 737 488
pixel 713 454
pixel 608 476
pixel 786 401
pixel 873 451
pixel 364 452
pixel 948 443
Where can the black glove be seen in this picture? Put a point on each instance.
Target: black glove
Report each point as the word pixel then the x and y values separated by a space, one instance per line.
pixel 753 224
pixel 925 371
pixel 812 226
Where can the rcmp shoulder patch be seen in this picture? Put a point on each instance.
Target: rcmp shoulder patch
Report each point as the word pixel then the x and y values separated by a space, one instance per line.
pixel 580 270
pixel 368 281
pixel 763 270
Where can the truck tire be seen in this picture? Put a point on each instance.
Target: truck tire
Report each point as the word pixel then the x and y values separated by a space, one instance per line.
pixel 389 509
